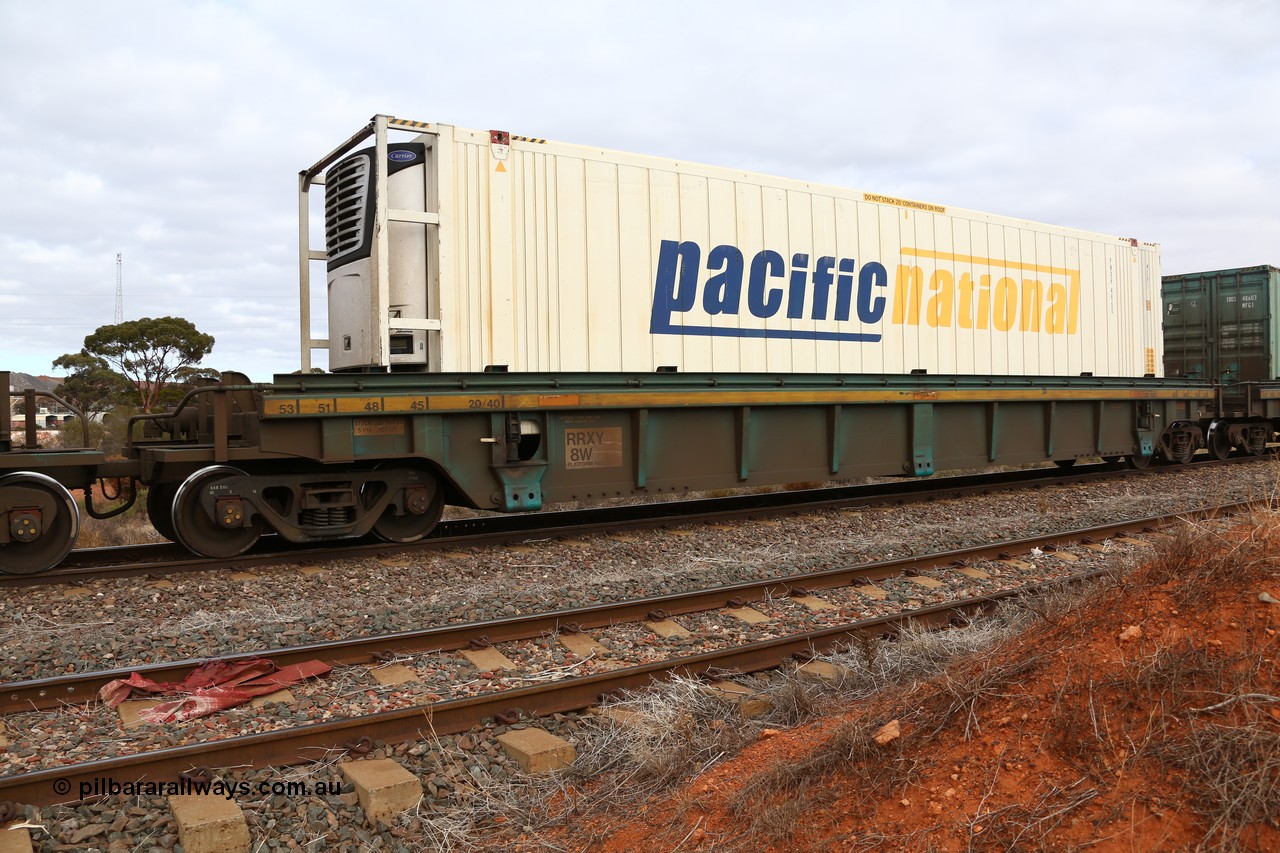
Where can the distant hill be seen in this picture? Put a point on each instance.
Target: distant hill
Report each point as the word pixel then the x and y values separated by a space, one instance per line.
pixel 23 381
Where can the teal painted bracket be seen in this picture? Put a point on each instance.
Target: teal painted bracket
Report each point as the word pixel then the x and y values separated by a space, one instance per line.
pixel 521 486
pixel 921 464
pixel 1146 442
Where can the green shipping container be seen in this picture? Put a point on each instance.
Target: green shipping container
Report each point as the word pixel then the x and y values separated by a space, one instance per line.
pixel 1222 325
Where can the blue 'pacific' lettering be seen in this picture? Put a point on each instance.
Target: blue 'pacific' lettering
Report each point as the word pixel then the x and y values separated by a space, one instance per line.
pixel 724 289
pixel 769 284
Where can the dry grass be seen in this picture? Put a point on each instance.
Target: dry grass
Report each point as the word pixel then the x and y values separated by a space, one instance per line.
pixel 1233 776
pixel 1148 718
pixel 1027 826
pixel 1200 723
pixel 648 743
pixel 1202 560
pixel 130 528
pixel 925 681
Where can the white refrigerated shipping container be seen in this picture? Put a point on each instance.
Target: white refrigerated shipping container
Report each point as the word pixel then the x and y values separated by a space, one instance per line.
pixel 486 249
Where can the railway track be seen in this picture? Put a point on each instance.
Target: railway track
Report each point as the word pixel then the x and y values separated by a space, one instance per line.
pixel 47 693
pixel 458 714
pixel 157 559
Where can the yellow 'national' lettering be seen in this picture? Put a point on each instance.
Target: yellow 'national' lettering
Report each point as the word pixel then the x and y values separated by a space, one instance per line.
pixel 1006 304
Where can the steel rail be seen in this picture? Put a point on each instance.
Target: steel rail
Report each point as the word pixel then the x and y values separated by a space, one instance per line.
pixel 491 530
pixel 321 740
pixel 53 692
pixel 488 530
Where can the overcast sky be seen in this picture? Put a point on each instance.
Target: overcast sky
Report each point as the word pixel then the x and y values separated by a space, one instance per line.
pixel 173 132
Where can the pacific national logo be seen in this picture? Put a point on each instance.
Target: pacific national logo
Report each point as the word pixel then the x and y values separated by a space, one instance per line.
pixel 936 289
pixel 677 288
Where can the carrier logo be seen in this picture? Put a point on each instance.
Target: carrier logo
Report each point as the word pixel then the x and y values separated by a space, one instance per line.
pixel 833 289
pixel 402 156
pixel 937 289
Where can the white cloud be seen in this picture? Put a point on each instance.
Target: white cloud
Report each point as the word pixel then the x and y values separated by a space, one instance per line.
pixel 174 132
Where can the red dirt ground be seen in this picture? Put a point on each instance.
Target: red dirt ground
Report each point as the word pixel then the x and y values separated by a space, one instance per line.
pixel 1078 735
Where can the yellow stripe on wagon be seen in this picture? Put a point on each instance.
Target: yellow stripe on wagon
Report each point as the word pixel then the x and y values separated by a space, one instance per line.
pixel 404 404
pixel 466 402
pixel 316 406
pixel 352 405
pixel 293 406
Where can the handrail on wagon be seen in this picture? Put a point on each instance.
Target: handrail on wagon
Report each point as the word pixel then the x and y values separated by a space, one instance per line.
pixel 30 427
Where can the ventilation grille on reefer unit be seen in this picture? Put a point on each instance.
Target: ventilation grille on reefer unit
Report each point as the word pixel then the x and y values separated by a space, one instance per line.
pixel 346 195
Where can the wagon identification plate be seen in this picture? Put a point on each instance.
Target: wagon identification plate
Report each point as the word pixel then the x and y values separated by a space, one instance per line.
pixel 600 447
pixel 377 426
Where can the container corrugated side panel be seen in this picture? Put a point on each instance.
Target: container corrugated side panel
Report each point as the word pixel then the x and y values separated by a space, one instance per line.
pixel 1243 305
pixel 1273 319
pixel 1222 324
pixel 1186 328
pixel 555 264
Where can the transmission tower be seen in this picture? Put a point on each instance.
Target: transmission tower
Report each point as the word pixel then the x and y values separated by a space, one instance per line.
pixel 119 288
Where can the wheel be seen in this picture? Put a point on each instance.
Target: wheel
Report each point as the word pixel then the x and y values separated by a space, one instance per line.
pixel 1141 461
pixel 196 530
pixel 1218 440
pixel 160 509
pixel 58 522
pixel 423 502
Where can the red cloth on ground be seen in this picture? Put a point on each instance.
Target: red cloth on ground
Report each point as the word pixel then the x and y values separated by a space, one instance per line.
pixel 212 686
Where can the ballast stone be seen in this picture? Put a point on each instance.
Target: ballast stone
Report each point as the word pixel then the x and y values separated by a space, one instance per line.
pixel 208 823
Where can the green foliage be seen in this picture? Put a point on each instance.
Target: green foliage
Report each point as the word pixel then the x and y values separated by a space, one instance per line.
pixel 184 380
pixel 150 353
pixel 91 385
pixel 108 435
